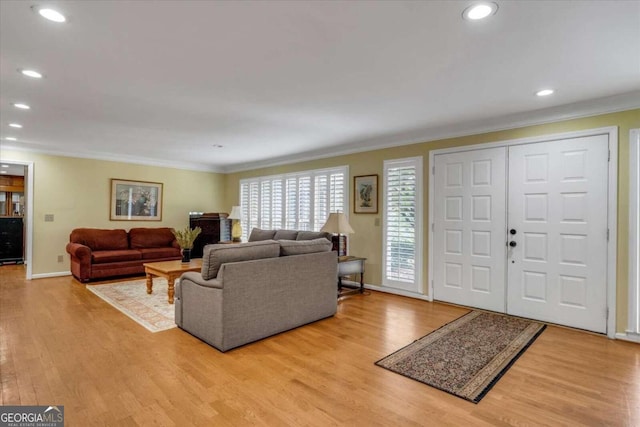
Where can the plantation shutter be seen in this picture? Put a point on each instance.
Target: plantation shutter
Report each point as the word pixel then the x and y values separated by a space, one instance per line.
pixel 299 201
pixel 402 218
pixel 276 203
pixel 304 203
pixel 337 194
pixel 265 205
pixel 292 204
pixel 321 207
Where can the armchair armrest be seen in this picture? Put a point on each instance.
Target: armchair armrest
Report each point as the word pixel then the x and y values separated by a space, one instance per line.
pixel 81 252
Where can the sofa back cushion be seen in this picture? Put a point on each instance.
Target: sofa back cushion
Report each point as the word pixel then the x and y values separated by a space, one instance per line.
pixel 216 255
pixel 310 235
pixel 286 235
pixel 161 237
pixel 100 240
pixel 258 234
pixel 299 247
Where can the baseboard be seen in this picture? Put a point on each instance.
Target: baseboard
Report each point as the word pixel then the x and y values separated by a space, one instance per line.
pixel 628 337
pixel 397 292
pixel 54 274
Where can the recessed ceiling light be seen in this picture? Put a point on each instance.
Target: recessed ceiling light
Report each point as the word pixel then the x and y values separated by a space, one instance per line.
pixel 544 92
pixel 21 106
pixel 30 73
pixel 15 125
pixel 3 172
pixel 50 14
pixel 479 10
pixel 11 138
pixel 5 166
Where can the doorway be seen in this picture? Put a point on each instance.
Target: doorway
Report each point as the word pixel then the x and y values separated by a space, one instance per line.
pixel 523 229
pixel 19 205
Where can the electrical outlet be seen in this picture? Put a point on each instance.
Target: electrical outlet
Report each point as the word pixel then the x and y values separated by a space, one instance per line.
pixel 60 258
pixel 376 222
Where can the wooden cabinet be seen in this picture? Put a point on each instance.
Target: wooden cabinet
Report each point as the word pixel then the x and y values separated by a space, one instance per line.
pixel 11 195
pixel 11 240
pixel 215 228
pixel 12 210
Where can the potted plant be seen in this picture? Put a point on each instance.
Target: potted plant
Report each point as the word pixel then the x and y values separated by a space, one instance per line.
pixel 185 239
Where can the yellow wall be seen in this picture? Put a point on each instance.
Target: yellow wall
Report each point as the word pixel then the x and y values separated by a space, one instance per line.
pixel 77 192
pixel 367 240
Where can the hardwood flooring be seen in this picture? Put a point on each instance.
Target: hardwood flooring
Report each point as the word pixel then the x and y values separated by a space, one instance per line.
pixel 62 345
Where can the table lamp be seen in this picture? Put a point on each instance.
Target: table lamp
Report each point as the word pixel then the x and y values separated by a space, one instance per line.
pixel 236 217
pixel 337 224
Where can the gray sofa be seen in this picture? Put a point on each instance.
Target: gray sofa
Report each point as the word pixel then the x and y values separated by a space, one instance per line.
pixel 258 234
pixel 249 291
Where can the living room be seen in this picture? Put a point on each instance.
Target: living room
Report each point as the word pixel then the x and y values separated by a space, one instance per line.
pixel 62 345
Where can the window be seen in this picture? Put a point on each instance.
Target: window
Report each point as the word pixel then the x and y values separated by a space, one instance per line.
pixel 297 201
pixel 402 243
pixel 633 329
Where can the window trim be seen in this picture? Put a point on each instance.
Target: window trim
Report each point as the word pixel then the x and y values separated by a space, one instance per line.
pixel 633 325
pixel 418 286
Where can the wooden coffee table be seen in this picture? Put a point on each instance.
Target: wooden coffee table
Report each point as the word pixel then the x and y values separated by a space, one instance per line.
pixel 170 270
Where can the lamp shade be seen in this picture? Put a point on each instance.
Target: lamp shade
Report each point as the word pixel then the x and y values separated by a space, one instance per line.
pixel 236 213
pixel 337 224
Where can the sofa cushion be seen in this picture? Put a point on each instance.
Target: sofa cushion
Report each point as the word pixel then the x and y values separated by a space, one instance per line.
pixel 103 257
pixel 258 234
pixel 216 255
pixel 299 247
pixel 157 253
pixel 161 237
pixel 310 235
pixel 100 240
pixel 285 235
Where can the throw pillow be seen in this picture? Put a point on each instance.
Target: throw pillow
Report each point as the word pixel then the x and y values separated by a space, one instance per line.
pixel 299 247
pixel 258 234
pixel 286 235
pixel 310 235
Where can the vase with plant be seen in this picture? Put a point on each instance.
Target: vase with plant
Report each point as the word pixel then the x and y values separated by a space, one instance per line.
pixel 185 239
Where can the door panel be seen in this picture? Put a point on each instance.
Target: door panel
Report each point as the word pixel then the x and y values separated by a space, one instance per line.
pixel 557 206
pixel 469 228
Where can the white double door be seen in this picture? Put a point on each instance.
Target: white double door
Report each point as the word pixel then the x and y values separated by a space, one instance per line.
pixel 523 230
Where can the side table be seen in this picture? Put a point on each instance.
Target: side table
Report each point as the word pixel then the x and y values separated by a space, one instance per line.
pixel 348 265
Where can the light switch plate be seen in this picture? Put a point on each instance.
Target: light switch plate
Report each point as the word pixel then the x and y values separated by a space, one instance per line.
pixel 48 217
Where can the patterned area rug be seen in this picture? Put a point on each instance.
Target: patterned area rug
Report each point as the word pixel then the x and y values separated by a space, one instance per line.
pixel 151 311
pixel 467 356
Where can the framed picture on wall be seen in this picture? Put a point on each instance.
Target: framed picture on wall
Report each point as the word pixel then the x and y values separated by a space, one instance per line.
pixel 135 200
pixel 365 194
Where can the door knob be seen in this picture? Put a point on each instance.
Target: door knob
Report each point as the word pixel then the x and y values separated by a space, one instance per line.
pixel 512 244
pixel 512 231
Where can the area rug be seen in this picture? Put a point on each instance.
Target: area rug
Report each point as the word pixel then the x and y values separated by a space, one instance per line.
pixel 467 356
pixel 152 311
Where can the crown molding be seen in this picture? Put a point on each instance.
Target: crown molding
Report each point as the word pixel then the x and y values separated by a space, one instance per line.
pixel 577 110
pixel 143 161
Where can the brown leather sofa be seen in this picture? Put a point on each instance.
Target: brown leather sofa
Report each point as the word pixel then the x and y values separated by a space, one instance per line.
pixel 97 253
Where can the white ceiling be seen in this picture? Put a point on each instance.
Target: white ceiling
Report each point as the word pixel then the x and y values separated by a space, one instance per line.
pixel 161 82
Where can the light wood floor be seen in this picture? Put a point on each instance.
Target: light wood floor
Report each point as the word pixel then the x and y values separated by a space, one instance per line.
pixel 60 344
